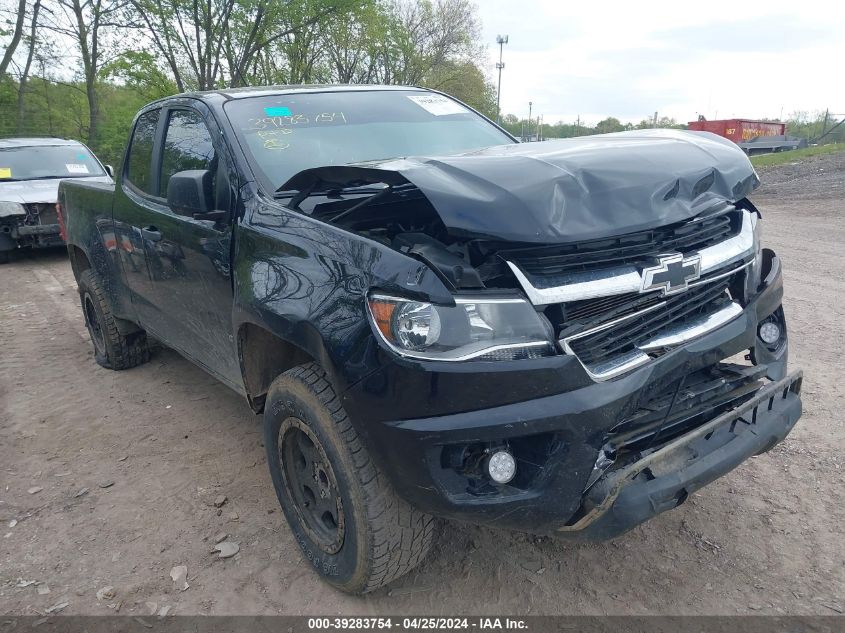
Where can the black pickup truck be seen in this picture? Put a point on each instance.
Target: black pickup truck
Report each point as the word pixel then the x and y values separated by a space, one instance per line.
pixel 565 338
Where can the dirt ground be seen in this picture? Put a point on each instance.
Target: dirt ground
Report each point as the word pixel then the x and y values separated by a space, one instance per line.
pixel 127 466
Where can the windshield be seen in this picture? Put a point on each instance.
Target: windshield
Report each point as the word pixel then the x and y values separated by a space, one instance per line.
pixel 38 162
pixel 284 134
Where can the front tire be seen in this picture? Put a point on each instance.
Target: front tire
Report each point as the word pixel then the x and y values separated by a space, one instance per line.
pixel 112 348
pixel 347 519
pixel 5 256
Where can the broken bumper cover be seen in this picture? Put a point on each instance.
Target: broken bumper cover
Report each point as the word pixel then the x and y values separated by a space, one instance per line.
pixel 31 235
pixel 620 499
pixel 38 229
pixel 662 480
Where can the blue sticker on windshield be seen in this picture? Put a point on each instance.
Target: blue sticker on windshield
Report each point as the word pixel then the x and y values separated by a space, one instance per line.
pixel 277 111
pixel 81 156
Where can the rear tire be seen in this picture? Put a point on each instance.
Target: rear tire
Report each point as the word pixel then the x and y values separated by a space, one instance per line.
pixel 5 256
pixel 347 519
pixel 112 349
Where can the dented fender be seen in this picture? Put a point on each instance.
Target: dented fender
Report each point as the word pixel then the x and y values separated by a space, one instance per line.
pixel 307 282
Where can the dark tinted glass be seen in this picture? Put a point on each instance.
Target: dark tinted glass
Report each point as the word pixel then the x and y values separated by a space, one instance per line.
pixel 141 151
pixel 187 145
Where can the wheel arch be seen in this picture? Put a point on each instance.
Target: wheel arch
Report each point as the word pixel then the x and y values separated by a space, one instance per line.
pixel 79 261
pixel 264 355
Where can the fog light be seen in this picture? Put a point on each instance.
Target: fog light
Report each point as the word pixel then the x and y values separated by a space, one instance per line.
pixel 769 333
pixel 501 467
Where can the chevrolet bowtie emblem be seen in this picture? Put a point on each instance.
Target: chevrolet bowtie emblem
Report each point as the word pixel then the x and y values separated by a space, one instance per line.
pixel 672 273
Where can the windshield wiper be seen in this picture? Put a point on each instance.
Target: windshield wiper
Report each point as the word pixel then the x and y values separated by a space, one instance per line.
pixel 335 191
pixel 376 196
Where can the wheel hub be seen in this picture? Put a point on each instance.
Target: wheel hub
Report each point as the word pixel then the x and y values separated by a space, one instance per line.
pixel 311 485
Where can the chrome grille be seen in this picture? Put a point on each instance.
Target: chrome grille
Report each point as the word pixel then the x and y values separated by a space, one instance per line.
pixel 628 249
pixel 607 308
pixel 608 316
pixel 600 346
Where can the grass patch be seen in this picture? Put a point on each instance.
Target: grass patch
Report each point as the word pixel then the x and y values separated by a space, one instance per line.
pixel 782 158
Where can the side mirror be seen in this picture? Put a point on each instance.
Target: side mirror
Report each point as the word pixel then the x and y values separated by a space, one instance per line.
pixel 109 170
pixel 190 192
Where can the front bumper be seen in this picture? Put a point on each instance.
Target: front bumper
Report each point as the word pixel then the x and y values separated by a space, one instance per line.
pixel 562 418
pixel 16 235
pixel 38 229
pixel 664 479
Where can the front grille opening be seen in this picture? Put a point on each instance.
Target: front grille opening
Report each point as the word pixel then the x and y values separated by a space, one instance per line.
pixel 623 337
pixel 630 249
pixel 608 308
pixel 42 213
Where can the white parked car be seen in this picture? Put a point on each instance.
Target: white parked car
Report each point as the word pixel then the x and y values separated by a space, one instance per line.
pixel 30 172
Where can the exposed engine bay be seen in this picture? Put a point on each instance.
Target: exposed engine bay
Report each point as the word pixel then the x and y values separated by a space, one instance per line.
pixel 402 217
pixel 576 200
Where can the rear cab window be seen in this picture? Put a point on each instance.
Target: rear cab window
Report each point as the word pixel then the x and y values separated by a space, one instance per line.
pixel 139 169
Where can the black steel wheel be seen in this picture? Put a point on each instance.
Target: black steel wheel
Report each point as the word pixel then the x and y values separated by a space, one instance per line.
pixel 352 527
pixel 117 344
pixel 311 483
pixel 92 322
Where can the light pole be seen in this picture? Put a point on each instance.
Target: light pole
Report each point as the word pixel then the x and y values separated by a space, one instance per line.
pixel 530 103
pixel 501 40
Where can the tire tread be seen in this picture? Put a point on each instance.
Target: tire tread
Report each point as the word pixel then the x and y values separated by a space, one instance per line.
pixel 401 536
pixel 123 351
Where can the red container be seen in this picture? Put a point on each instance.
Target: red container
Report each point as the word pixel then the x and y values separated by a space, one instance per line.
pixel 739 130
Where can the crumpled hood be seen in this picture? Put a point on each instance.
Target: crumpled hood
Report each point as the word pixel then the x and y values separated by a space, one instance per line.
pixel 568 190
pixel 30 191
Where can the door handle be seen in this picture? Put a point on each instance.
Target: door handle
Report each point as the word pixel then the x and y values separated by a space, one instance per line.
pixel 151 233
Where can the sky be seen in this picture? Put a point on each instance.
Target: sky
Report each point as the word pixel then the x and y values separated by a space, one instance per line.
pixel 720 58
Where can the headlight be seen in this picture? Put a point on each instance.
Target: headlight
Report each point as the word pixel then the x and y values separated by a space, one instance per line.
pixel 474 328
pixel 752 278
pixel 11 208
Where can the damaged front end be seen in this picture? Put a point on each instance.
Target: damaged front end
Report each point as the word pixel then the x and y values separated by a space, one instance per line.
pixel 632 270
pixel 29 225
pixel 644 481
pixel 626 245
pixel 465 215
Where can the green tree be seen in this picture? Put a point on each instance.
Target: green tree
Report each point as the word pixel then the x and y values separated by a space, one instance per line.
pixel 92 26
pixel 465 81
pixel 32 45
pixel 218 43
pixel 140 72
pixel 424 35
pixel 16 34
pixel 351 42
pixel 610 124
